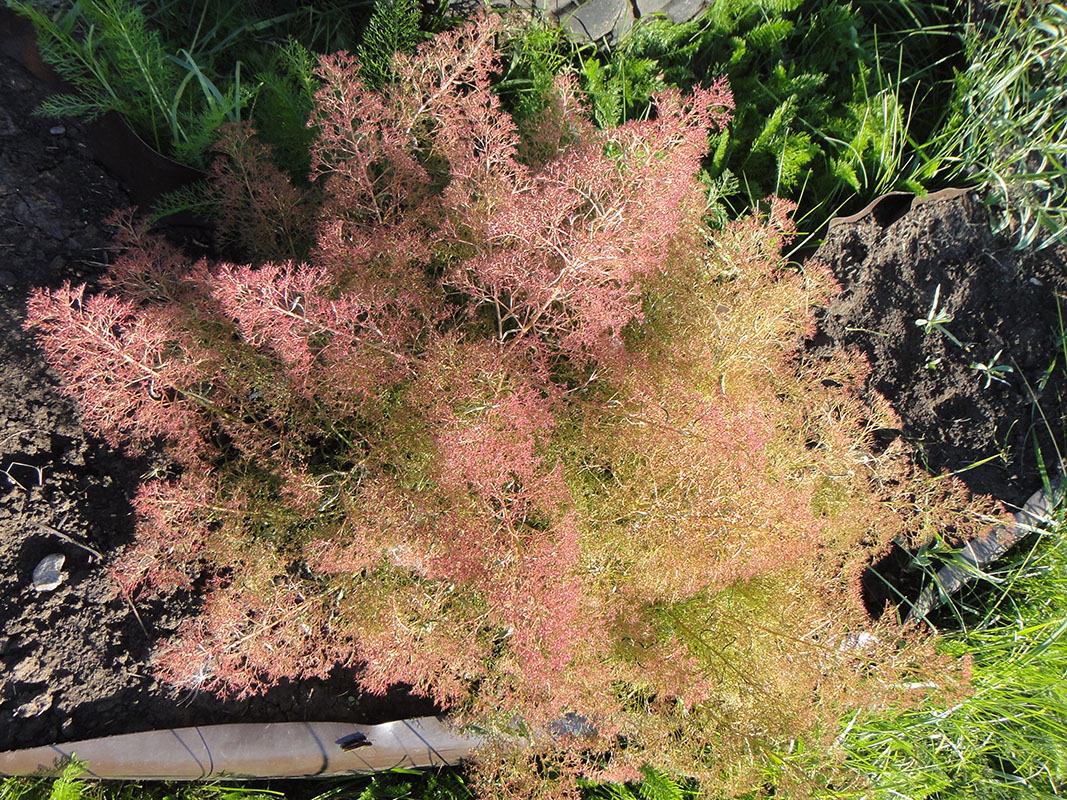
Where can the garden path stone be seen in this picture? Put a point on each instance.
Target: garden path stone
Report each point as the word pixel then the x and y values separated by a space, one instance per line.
pixel 645 7
pixel 596 20
pixel 683 10
pixel 600 21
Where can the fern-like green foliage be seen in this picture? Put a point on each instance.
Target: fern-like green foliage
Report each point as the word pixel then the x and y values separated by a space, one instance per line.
pixel 654 785
pixel 619 84
pixel 393 28
pixel 283 105
pixel 68 786
pixel 829 98
pixel 102 47
pixel 399 784
pixel 117 62
pixel 824 91
pixel 61 783
pixel 195 198
pixel 534 55
pixel 179 71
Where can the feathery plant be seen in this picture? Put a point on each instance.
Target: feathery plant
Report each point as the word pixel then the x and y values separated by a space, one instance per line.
pixel 399 784
pixel 512 433
pixel 180 73
pixel 654 785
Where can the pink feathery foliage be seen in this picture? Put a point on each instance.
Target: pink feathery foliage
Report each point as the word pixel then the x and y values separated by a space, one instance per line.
pixel 254 632
pixel 338 350
pixel 134 372
pixel 160 562
pixel 491 449
pixel 447 81
pixel 544 604
pixel 262 214
pixel 510 435
pixel 737 521
pixel 377 194
pixel 431 636
pixel 558 254
pixel 750 243
pixel 562 261
pixel 148 268
pixel 385 157
pixel 509 540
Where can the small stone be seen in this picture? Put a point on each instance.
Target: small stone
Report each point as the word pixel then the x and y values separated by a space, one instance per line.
pixel 651 6
pixel 595 20
pixel 57 130
pixel 683 10
pixel 35 707
pixel 48 575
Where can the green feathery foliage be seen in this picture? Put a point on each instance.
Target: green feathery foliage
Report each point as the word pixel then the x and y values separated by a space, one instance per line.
pixel 654 785
pixel 830 94
pixel 118 62
pixel 393 28
pixel 283 106
pixel 178 72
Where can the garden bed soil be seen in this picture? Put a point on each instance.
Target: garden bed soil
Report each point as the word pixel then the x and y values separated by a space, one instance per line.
pixel 75 661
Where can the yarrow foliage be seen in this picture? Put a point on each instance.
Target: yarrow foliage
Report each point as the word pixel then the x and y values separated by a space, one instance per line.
pixel 511 434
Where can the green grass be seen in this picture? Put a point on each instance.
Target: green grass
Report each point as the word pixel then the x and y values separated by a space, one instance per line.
pixel 1009 737
pixel 1007 131
pixel 448 784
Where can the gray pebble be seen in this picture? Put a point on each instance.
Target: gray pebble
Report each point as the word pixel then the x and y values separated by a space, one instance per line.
pixel 35 707
pixel 47 575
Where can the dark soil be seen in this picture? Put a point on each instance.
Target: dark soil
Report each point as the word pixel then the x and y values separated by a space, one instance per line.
pixel 74 662
pixel 1002 301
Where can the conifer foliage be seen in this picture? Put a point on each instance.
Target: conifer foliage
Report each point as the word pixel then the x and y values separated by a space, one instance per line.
pixel 512 434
